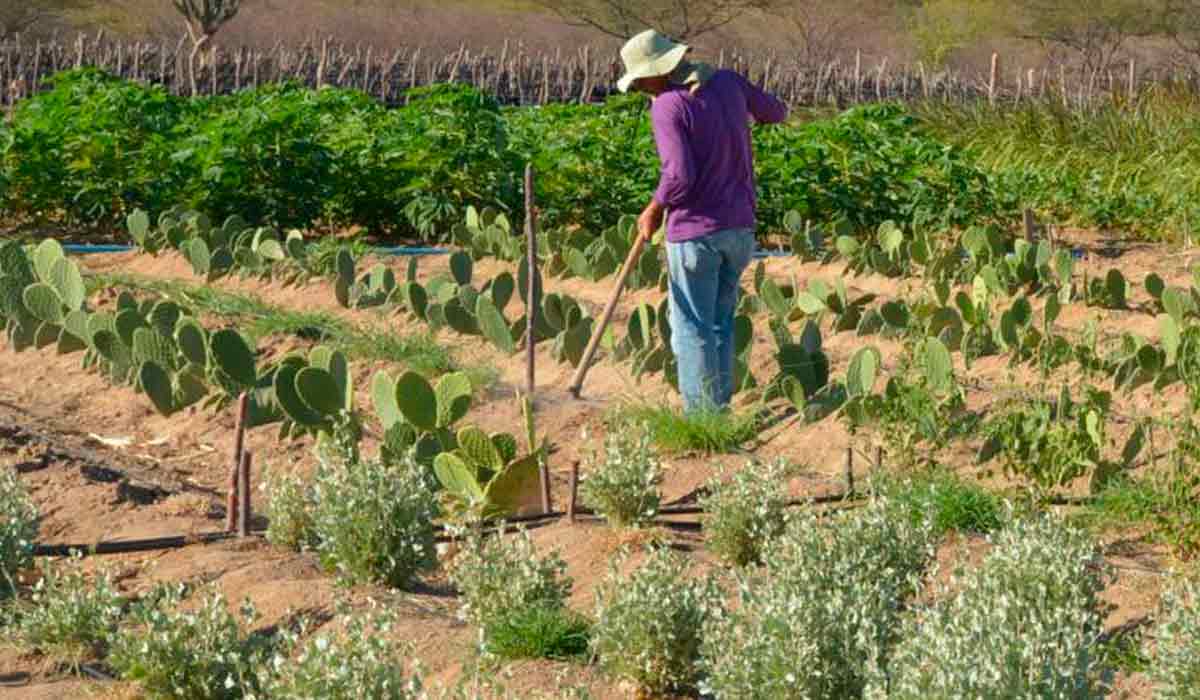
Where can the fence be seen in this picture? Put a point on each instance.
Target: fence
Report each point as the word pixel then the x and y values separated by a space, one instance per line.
pixel 519 76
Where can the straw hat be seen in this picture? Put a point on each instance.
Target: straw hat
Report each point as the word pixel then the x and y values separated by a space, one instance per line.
pixel 649 55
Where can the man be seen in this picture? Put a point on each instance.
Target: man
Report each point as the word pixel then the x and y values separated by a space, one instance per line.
pixel 701 120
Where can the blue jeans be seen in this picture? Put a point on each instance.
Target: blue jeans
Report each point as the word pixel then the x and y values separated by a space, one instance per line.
pixel 705 281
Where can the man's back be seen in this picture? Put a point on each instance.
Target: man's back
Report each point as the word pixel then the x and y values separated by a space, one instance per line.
pixel 703 141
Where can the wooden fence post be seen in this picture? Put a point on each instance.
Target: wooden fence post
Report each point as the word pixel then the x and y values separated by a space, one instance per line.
pixel 244 486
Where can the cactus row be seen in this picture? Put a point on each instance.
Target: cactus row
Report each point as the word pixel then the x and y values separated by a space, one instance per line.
pixel 233 247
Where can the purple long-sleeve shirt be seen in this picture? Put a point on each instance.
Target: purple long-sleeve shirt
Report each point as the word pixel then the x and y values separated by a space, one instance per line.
pixel 703 140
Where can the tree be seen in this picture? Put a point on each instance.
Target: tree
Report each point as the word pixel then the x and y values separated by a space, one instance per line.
pixel 20 16
pixel 821 28
pixel 1096 30
pixel 203 19
pixel 940 28
pixel 679 19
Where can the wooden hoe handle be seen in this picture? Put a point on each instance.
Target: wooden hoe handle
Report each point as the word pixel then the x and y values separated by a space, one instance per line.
pixel 598 333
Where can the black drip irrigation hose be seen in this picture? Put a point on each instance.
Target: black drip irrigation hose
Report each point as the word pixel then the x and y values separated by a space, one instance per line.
pixel 131 546
pixel 504 526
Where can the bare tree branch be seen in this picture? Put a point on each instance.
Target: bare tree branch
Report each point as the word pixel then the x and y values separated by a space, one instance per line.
pixel 21 16
pixel 679 19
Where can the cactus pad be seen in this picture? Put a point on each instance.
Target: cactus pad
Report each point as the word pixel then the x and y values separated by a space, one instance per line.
pixel 319 391
pixel 458 477
pixel 502 290
pixel 233 357
pixel 45 255
pixel 155 381
pixel 151 346
pixel 862 372
pixel 383 396
pixel 192 341
pixel 417 401
pixel 453 398
pixel 938 366
pixel 66 280
pixel 493 326
pixel 43 303
pixel 289 399
pixel 461 268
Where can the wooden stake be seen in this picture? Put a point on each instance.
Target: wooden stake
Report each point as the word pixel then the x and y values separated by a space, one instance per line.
pixel 231 500
pixel 850 471
pixel 239 443
pixel 531 297
pixel 879 458
pixel 574 492
pixel 992 78
pixel 1030 225
pixel 244 513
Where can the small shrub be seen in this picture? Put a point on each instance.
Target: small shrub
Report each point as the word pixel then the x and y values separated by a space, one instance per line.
pixel 744 511
pixel 540 632
pixel 1025 623
pixel 948 502
pixel 823 612
pixel 373 522
pixel 621 484
pixel 359 663
pixel 1175 667
pixel 704 431
pixel 648 624
pixel 507 587
pixel 289 510
pixel 69 617
pixel 18 527
pixel 195 654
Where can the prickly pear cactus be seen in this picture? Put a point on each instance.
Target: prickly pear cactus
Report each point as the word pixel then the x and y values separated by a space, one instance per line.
pixel 156 382
pixel 417 402
pixel 938 366
pixel 320 392
pixel 493 326
pixel 862 372
pixel 461 268
pixel 43 303
pixel 453 398
pixel 233 357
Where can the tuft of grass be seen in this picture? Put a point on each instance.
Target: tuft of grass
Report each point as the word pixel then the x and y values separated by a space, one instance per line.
pixel 419 352
pixel 677 432
pixel 540 632
pixel 1125 651
pixel 1124 501
pixel 948 501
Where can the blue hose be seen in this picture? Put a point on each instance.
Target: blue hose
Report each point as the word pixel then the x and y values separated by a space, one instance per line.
pixel 400 251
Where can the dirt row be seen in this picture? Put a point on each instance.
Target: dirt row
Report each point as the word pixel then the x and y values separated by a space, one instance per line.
pixel 108 468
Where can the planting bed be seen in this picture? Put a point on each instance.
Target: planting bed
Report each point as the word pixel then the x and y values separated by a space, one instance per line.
pixel 102 465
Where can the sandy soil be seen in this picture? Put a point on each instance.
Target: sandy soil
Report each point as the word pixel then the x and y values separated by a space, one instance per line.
pixel 103 466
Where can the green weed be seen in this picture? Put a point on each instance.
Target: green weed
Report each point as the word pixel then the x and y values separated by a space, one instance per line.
pixel 540 632
pixel 948 501
pixel 677 432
